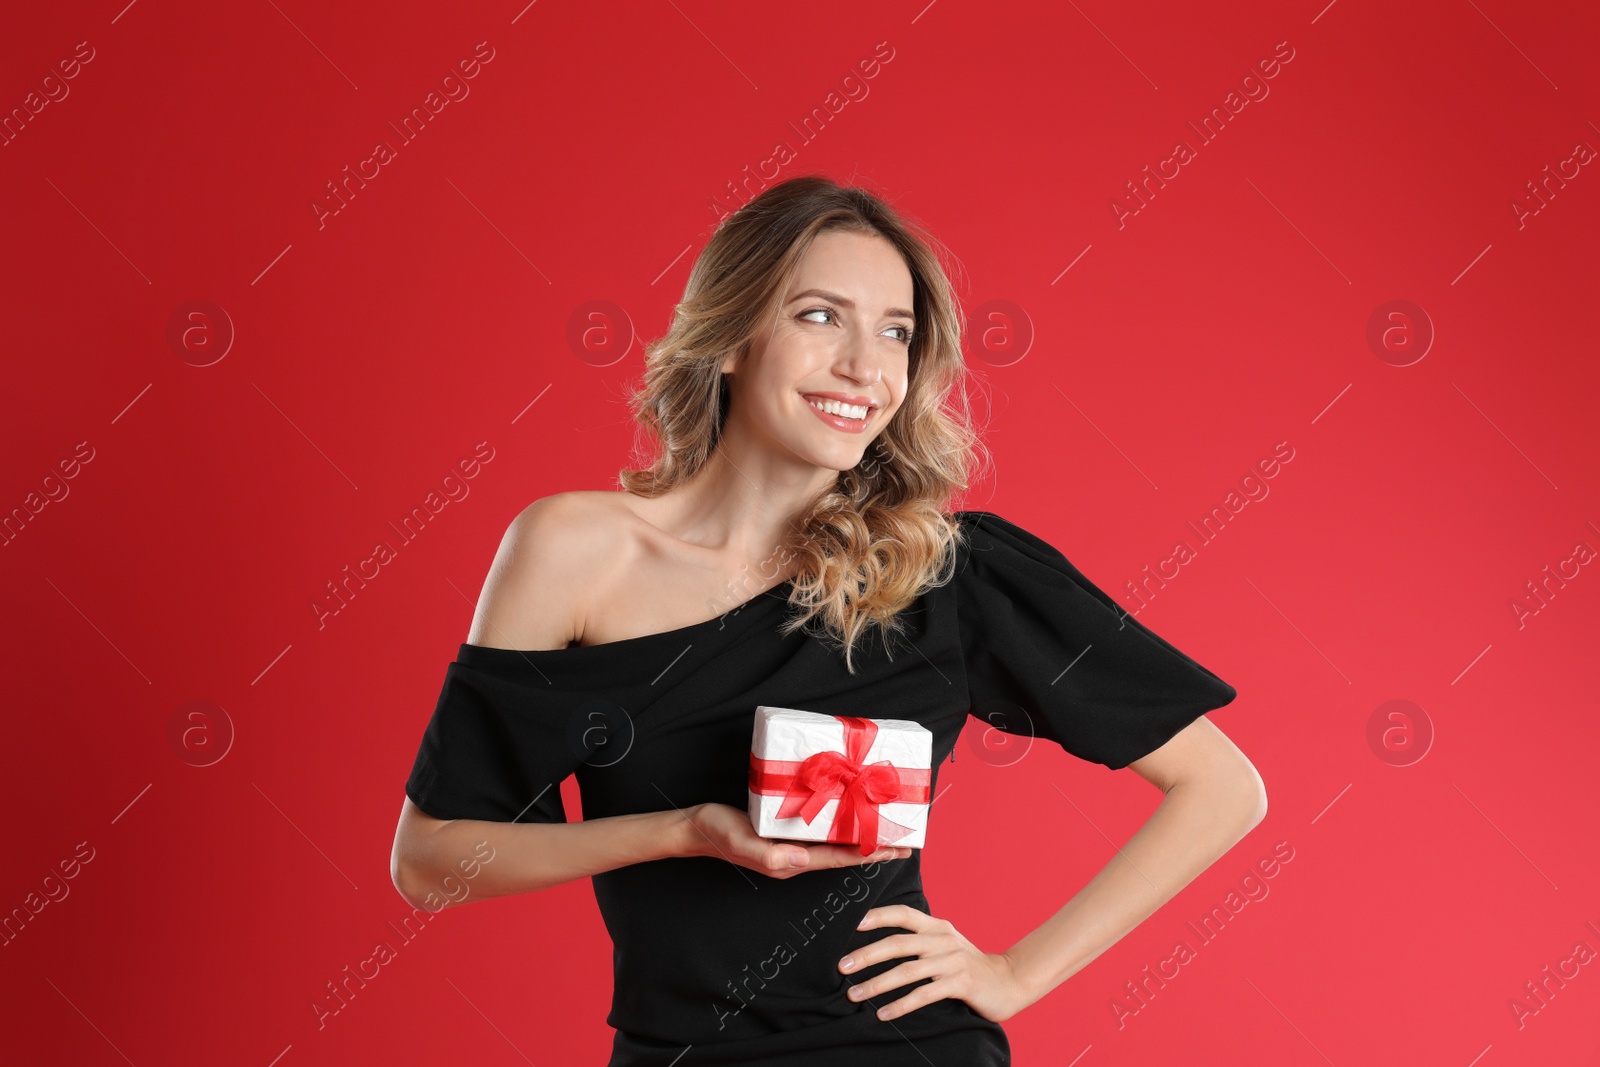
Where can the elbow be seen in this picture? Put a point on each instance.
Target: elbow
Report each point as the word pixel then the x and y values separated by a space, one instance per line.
pixel 1258 812
pixel 1235 793
pixel 1253 794
pixel 419 889
pixel 404 878
pixel 411 875
pixel 1239 789
pixel 414 860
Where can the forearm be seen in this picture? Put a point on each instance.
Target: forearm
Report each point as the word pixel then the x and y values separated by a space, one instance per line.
pixel 472 859
pixel 1195 824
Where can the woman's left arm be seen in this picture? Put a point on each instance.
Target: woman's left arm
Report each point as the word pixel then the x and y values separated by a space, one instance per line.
pixel 1213 798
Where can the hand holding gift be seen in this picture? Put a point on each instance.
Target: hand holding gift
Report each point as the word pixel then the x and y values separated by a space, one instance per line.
pixel 840 778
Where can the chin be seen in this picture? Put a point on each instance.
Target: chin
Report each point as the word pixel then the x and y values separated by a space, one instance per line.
pixel 835 463
pixel 833 456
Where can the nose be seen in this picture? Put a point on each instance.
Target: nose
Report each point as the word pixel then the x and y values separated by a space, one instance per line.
pixel 859 361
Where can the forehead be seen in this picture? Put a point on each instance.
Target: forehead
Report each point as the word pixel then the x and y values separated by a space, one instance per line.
pixel 864 267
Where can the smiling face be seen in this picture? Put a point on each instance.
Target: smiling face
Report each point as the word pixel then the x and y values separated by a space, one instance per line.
pixel 826 376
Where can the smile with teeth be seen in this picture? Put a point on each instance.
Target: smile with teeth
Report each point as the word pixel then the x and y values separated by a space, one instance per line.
pixel 834 407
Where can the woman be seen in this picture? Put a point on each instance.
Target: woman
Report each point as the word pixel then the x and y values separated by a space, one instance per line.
pixel 809 405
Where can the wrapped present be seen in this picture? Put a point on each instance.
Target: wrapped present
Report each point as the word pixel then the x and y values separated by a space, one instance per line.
pixel 840 778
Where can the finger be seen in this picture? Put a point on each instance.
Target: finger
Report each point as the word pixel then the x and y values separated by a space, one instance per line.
pixel 776 856
pixel 887 852
pixel 902 915
pixel 786 857
pixel 892 979
pixel 892 947
pixel 851 856
pixel 847 855
pixel 923 994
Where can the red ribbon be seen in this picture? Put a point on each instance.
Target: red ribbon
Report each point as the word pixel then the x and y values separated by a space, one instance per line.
pixel 810 783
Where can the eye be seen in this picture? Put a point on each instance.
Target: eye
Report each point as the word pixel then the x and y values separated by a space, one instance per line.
pixel 819 311
pixel 906 332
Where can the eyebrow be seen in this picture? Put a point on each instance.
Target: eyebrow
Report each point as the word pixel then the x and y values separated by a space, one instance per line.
pixel 900 313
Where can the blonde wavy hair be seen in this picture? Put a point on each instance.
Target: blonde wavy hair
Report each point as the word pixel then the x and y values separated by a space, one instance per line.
pixel 883 533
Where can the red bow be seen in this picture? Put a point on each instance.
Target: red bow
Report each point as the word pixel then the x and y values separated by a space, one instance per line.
pixel 809 784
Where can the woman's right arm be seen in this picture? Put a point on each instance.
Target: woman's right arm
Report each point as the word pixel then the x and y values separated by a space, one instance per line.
pixel 455 860
pixel 532 599
pixel 442 862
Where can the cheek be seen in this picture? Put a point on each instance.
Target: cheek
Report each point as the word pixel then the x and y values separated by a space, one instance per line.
pixel 788 359
pixel 901 388
pixel 772 402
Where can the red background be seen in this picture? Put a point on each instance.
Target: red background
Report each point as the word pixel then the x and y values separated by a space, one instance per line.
pixel 375 351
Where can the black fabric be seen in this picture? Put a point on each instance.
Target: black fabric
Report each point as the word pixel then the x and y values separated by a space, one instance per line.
pixel 496 748
pixel 715 964
pixel 1050 654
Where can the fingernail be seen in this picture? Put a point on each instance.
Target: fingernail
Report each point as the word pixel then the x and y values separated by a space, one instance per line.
pixel 797 859
pixel 847 964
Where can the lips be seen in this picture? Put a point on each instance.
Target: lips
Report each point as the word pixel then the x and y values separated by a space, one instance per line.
pixel 847 400
pixel 839 421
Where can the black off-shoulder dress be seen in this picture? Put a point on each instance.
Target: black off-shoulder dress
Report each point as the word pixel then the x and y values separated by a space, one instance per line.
pixel 716 964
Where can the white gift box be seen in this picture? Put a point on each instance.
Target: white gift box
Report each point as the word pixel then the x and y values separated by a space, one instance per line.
pixel 804 762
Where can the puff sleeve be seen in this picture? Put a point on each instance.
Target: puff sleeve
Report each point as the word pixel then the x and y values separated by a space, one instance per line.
pixel 1049 654
pixel 499 743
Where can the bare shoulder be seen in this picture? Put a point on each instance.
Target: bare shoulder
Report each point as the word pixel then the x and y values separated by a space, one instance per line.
pixel 535 595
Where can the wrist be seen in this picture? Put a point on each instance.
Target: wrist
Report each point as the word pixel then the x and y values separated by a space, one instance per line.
pixel 1025 986
pixel 685 835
